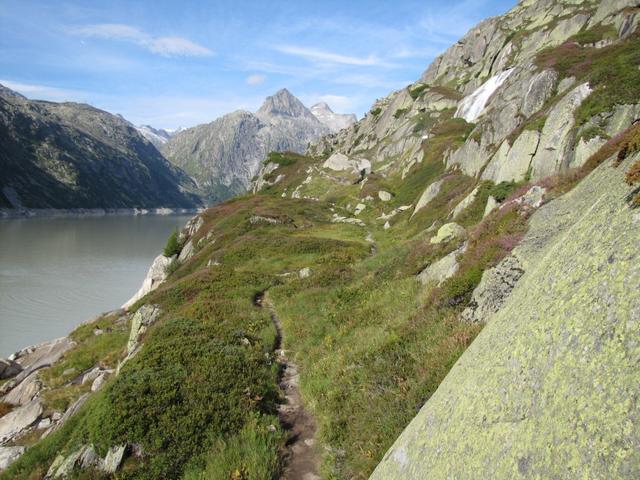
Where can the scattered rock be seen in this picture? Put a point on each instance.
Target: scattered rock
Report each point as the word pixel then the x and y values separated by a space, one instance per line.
pixel 91 375
pixel 8 455
pixel 8 368
pixel 442 269
pixel 448 232
pixel 305 272
pixel 212 263
pixel 99 382
pixel 468 200
pixel 359 208
pixel 142 319
pixel 25 391
pixel 534 198
pixel 387 225
pixel 113 460
pixel 75 406
pixel 429 194
pixel 384 196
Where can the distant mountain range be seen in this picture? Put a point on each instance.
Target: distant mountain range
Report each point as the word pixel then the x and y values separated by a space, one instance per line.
pixel 224 155
pixel 71 155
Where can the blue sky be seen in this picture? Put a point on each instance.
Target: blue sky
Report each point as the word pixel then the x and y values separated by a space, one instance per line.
pixel 172 64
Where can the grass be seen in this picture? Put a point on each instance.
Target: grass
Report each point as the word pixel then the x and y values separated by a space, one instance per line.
pixel 416 91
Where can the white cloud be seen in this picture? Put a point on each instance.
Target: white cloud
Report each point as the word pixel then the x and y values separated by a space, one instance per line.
pixel 166 46
pixel 338 103
pixel 316 55
pixel 45 92
pixel 256 79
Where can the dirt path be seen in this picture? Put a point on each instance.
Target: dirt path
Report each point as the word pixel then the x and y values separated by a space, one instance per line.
pixel 301 461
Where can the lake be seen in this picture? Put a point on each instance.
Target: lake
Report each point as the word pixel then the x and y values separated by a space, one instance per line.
pixel 55 273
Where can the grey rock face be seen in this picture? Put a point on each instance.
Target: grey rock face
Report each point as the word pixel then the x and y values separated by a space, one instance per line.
pixel 224 155
pixel 70 155
pixel 24 392
pixel 557 135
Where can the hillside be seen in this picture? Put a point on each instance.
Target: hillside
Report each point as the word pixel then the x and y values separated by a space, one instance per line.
pixel 70 155
pixel 449 285
pixel 224 155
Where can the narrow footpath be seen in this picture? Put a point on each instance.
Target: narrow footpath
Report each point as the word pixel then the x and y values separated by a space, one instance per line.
pixel 301 460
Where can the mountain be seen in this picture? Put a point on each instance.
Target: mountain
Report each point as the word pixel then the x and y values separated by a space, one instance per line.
pixel 156 136
pixel 335 121
pixel 71 155
pixel 447 288
pixel 224 155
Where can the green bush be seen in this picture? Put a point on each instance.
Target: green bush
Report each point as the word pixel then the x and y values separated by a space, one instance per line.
pixel 173 245
pixel 418 90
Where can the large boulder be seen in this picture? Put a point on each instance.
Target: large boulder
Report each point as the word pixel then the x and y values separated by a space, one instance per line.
pixel 442 269
pixel 155 276
pixel 25 391
pixel 428 195
pixel 547 389
pixel 448 232
pixel 18 420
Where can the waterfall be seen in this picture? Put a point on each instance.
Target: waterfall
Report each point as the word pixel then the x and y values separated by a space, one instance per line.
pixel 471 106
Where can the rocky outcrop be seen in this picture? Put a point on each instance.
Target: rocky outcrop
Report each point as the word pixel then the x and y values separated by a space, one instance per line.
pixel 18 420
pixel 545 389
pixel 556 142
pixel 155 276
pixel 224 155
pixel 70 155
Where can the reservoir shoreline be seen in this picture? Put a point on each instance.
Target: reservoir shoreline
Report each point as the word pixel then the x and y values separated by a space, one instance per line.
pixel 14 213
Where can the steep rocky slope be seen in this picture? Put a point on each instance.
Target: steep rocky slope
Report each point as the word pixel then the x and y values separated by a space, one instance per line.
pixel 225 154
pixel 69 155
pixel 467 250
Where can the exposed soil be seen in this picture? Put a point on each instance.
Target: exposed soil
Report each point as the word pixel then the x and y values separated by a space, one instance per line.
pixel 301 461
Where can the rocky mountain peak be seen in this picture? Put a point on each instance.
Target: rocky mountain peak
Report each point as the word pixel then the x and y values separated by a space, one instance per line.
pixel 335 121
pixel 284 103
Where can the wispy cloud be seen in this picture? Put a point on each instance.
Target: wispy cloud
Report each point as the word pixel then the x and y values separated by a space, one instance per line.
pixel 256 79
pixel 45 92
pixel 317 55
pixel 170 46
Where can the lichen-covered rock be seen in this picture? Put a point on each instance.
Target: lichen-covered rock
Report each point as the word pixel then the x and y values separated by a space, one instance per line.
pixel 448 232
pixel 511 163
pixel 144 317
pixel 114 458
pixel 546 390
pixel 494 288
pixel 429 194
pixel 466 201
pixel 442 269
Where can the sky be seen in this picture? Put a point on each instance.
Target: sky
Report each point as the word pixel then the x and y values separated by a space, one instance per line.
pixel 177 64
